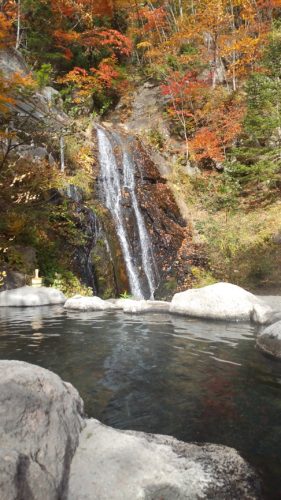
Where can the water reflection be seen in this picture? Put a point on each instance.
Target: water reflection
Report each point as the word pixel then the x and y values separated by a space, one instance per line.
pixel 198 381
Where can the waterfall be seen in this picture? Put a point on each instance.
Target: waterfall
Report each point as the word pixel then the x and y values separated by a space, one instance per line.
pixel 113 187
pixel 113 197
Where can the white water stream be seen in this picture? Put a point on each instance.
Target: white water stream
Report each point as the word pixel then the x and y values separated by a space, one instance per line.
pixel 113 185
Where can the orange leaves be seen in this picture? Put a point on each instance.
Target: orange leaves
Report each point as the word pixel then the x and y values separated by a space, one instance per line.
pixel 74 26
pixel 153 19
pixel 86 10
pixel 269 4
pixel 206 144
pixel 107 72
pixel 6 37
pixel 67 37
pixel 222 117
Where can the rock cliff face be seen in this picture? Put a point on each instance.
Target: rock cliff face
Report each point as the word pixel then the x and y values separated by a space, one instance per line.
pixel 169 232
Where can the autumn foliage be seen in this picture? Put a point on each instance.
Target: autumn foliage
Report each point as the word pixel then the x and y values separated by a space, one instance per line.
pixel 201 52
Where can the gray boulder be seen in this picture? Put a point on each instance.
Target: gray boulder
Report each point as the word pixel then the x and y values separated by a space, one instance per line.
pixel 27 296
pixel 269 341
pixel 221 301
pixel 11 61
pixel 40 422
pixel 125 465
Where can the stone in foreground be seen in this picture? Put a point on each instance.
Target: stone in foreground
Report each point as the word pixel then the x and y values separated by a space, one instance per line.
pixel 125 465
pixel 40 422
pixel 221 301
pixel 269 341
pixel 27 296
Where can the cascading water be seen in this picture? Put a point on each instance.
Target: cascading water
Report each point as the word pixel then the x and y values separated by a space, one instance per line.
pixel 113 196
pixel 113 187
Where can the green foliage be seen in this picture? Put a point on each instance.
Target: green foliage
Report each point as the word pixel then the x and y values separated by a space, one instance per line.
pixel 155 138
pixel 240 247
pixel 263 107
pixel 272 52
pixel 14 259
pixel 44 75
pixel 125 295
pixel 70 285
pixel 202 277
pixel 256 157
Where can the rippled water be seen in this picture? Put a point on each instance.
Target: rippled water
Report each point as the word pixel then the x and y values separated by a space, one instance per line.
pixel 195 380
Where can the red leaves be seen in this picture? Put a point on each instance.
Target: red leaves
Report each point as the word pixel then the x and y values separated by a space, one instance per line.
pixel 180 86
pixel 106 72
pixel 210 119
pixel 111 39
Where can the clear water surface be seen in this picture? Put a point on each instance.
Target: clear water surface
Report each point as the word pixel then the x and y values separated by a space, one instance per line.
pixel 196 380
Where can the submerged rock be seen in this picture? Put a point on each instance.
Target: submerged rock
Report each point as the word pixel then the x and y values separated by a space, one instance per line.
pixel 221 301
pixel 126 305
pixel 125 465
pixel 40 422
pixel 30 296
pixel 89 304
pixel 141 306
pixel 269 341
pixel 118 303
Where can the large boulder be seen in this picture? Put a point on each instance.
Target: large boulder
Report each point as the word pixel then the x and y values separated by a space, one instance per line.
pixel 269 341
pixel 40 422
pixel 125 465
pixel 221 301
pixel 27 296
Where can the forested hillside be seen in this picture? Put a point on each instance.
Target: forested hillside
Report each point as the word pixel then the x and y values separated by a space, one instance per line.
pixel 216 69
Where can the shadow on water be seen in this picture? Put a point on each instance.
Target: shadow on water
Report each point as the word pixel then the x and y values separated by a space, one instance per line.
pixel 198 381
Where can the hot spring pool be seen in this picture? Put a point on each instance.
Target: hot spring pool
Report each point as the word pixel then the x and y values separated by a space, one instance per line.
pixel 196 380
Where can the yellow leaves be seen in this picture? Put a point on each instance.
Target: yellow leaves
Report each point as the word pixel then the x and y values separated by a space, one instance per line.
pixel 144 45
pixel 85 159
pixel 15 223
pixel 154 53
